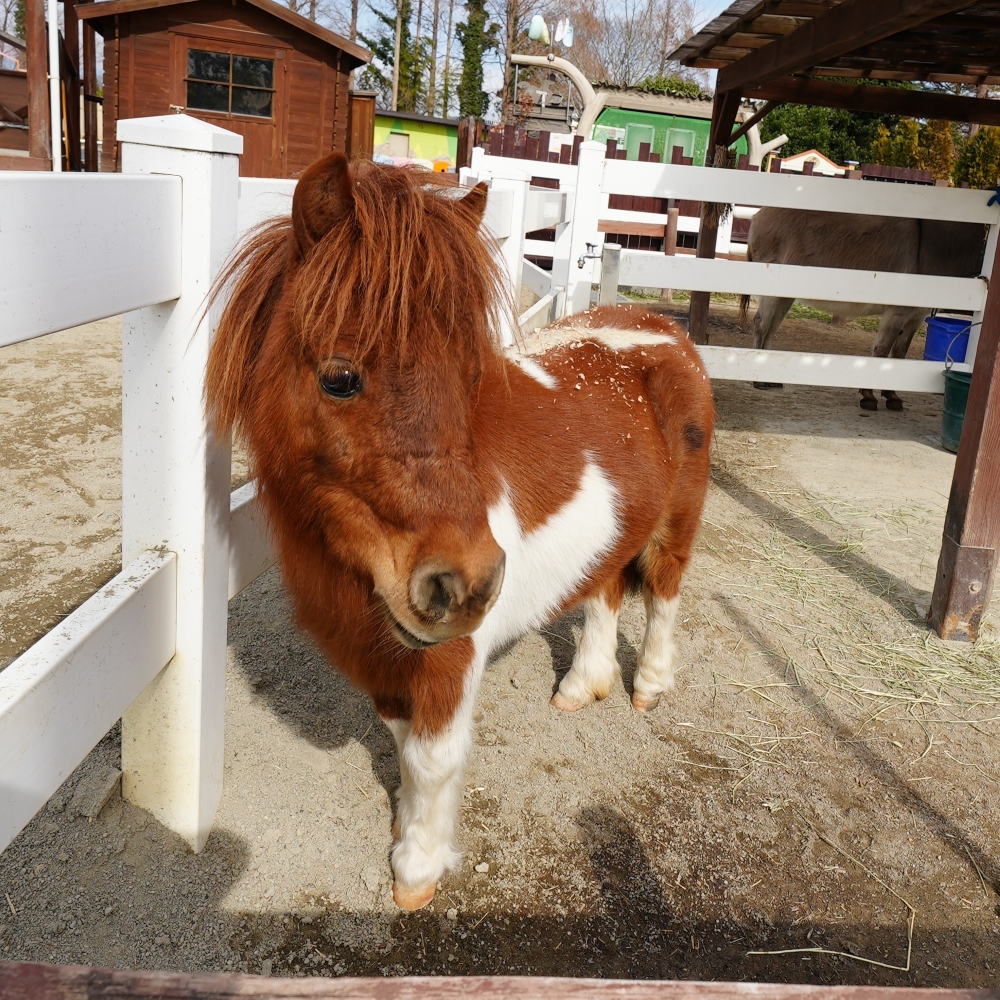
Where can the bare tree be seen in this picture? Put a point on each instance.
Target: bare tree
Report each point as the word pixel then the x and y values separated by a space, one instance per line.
pixel 432 73
pixel 625 41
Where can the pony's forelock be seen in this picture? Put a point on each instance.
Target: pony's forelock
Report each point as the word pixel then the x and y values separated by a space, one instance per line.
pixel 406 269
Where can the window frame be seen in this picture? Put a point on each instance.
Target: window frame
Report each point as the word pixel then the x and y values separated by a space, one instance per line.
pixel 191 46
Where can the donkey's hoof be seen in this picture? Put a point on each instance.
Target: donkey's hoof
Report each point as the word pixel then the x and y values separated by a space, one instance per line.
pixel 643 704
pixel 893 403
pixel 565 704
pixel 412 899
pixel 868 403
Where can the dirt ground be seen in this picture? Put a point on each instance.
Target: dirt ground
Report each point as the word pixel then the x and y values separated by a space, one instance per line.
pixel 816 802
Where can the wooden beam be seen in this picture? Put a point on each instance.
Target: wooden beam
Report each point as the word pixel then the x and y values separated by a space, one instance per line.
pixel 967 564
pixel 37 981
pixel 750 122
pixel 845 28
pixel 724 111
pixel 39 132
pixel 879 100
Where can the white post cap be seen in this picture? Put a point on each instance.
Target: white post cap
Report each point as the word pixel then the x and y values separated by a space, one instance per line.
pixel 179 132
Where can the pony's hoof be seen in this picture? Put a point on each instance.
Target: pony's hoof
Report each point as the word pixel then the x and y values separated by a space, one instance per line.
pixel 894 403
pixel 396 833
pixel 643 704
pixel 769 385
pixel 412 899
pixel 868 404
pixel 564 704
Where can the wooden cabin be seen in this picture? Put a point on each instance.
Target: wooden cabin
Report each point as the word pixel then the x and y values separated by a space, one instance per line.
pixel 250 66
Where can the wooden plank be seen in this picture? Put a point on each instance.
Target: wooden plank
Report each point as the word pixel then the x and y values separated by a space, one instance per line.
pixel 39 131
pixel 820 284
pixel 58 699
pixel 745 364
pixel 967 564
pixel 37 981
pixel 848 26
pixel 59 225
pixel 878 100
pixel 743 187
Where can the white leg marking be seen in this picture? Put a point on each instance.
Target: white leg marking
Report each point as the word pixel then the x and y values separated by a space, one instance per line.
pixel 547 565
pixel 429 797
pixel 656 666
pixel 595 664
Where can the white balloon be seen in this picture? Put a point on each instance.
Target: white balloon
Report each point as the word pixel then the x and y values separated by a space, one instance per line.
pixel 567 38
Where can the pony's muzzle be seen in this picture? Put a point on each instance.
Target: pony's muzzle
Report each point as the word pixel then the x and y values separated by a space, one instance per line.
pixel 451 600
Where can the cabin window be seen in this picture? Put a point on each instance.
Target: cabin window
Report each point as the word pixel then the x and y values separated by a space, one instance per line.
pixel 229 84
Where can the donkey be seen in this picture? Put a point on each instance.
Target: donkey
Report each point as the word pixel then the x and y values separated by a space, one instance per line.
pixel 865 243
pixel 431 500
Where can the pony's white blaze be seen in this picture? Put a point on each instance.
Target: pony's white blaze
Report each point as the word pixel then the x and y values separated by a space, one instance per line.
pixel 534 370
pixel 656 665
pixel 548 564
pixel 595 664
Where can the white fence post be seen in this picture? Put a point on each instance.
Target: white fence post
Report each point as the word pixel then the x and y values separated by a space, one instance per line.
pixel 587 205
pixel 175 481
pixel 512 244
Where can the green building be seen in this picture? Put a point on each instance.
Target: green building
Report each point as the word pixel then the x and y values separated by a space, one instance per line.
pixel 631 117
pixel 418 137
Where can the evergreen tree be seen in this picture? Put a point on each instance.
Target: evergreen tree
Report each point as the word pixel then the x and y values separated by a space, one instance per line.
pixel 475 37
pixel 378 75
pixel 937 149
pixel 841 135
pixel 899 148
pixel 979 161
pixel 20 14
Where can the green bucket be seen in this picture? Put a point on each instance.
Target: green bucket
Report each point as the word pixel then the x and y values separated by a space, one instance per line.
pixel 956 395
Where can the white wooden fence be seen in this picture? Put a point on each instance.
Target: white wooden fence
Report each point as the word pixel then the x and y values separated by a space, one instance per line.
pixel 576 253
pixel 150 647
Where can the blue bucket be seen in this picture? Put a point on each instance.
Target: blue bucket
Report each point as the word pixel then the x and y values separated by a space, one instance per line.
pixel 947 338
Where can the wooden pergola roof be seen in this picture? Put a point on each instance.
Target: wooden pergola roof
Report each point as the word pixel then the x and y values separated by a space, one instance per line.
pixel 786 50
pixel 958 43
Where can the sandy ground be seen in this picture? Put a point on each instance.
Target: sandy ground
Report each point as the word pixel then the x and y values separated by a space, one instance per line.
pixel 824 779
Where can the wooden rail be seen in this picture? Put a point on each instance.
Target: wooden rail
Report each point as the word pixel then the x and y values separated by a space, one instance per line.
pixel 30 981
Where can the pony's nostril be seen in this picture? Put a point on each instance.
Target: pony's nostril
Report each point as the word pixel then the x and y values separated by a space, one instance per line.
pixel 435 592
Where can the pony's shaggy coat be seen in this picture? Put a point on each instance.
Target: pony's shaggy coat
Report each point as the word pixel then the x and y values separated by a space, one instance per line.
pixel 451 498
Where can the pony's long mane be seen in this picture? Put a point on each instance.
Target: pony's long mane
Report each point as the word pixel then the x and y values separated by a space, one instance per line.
pixel 407 268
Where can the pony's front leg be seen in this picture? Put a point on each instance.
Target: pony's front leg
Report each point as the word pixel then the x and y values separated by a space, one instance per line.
pixel 432 769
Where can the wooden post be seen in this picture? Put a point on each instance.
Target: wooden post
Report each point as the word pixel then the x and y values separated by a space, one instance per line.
pixel 39 126
pixel 967 565
pixel 670 244
pixel 177 497
pixel 90 98
pixel 71 82
pixel 723 118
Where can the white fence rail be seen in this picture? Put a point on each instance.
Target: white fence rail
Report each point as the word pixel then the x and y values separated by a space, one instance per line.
pixel 150 646
pixel 576 267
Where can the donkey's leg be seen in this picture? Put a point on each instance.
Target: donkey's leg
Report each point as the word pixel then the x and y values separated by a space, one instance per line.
pixel 770 313
pixel 888 329
pixel 900 347
pixel 432 767
pixel 595 663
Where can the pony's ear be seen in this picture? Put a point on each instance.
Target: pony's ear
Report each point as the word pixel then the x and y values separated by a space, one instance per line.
pixel 322 198
pixel 475 202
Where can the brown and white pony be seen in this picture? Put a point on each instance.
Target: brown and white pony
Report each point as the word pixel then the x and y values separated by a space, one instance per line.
pixel 431 499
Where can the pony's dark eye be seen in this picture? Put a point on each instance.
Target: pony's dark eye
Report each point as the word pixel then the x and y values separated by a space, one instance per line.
pixel 340 382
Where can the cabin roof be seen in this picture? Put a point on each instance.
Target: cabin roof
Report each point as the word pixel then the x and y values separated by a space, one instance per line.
pixel 931 41
pixel 98 12
pixel 409 116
